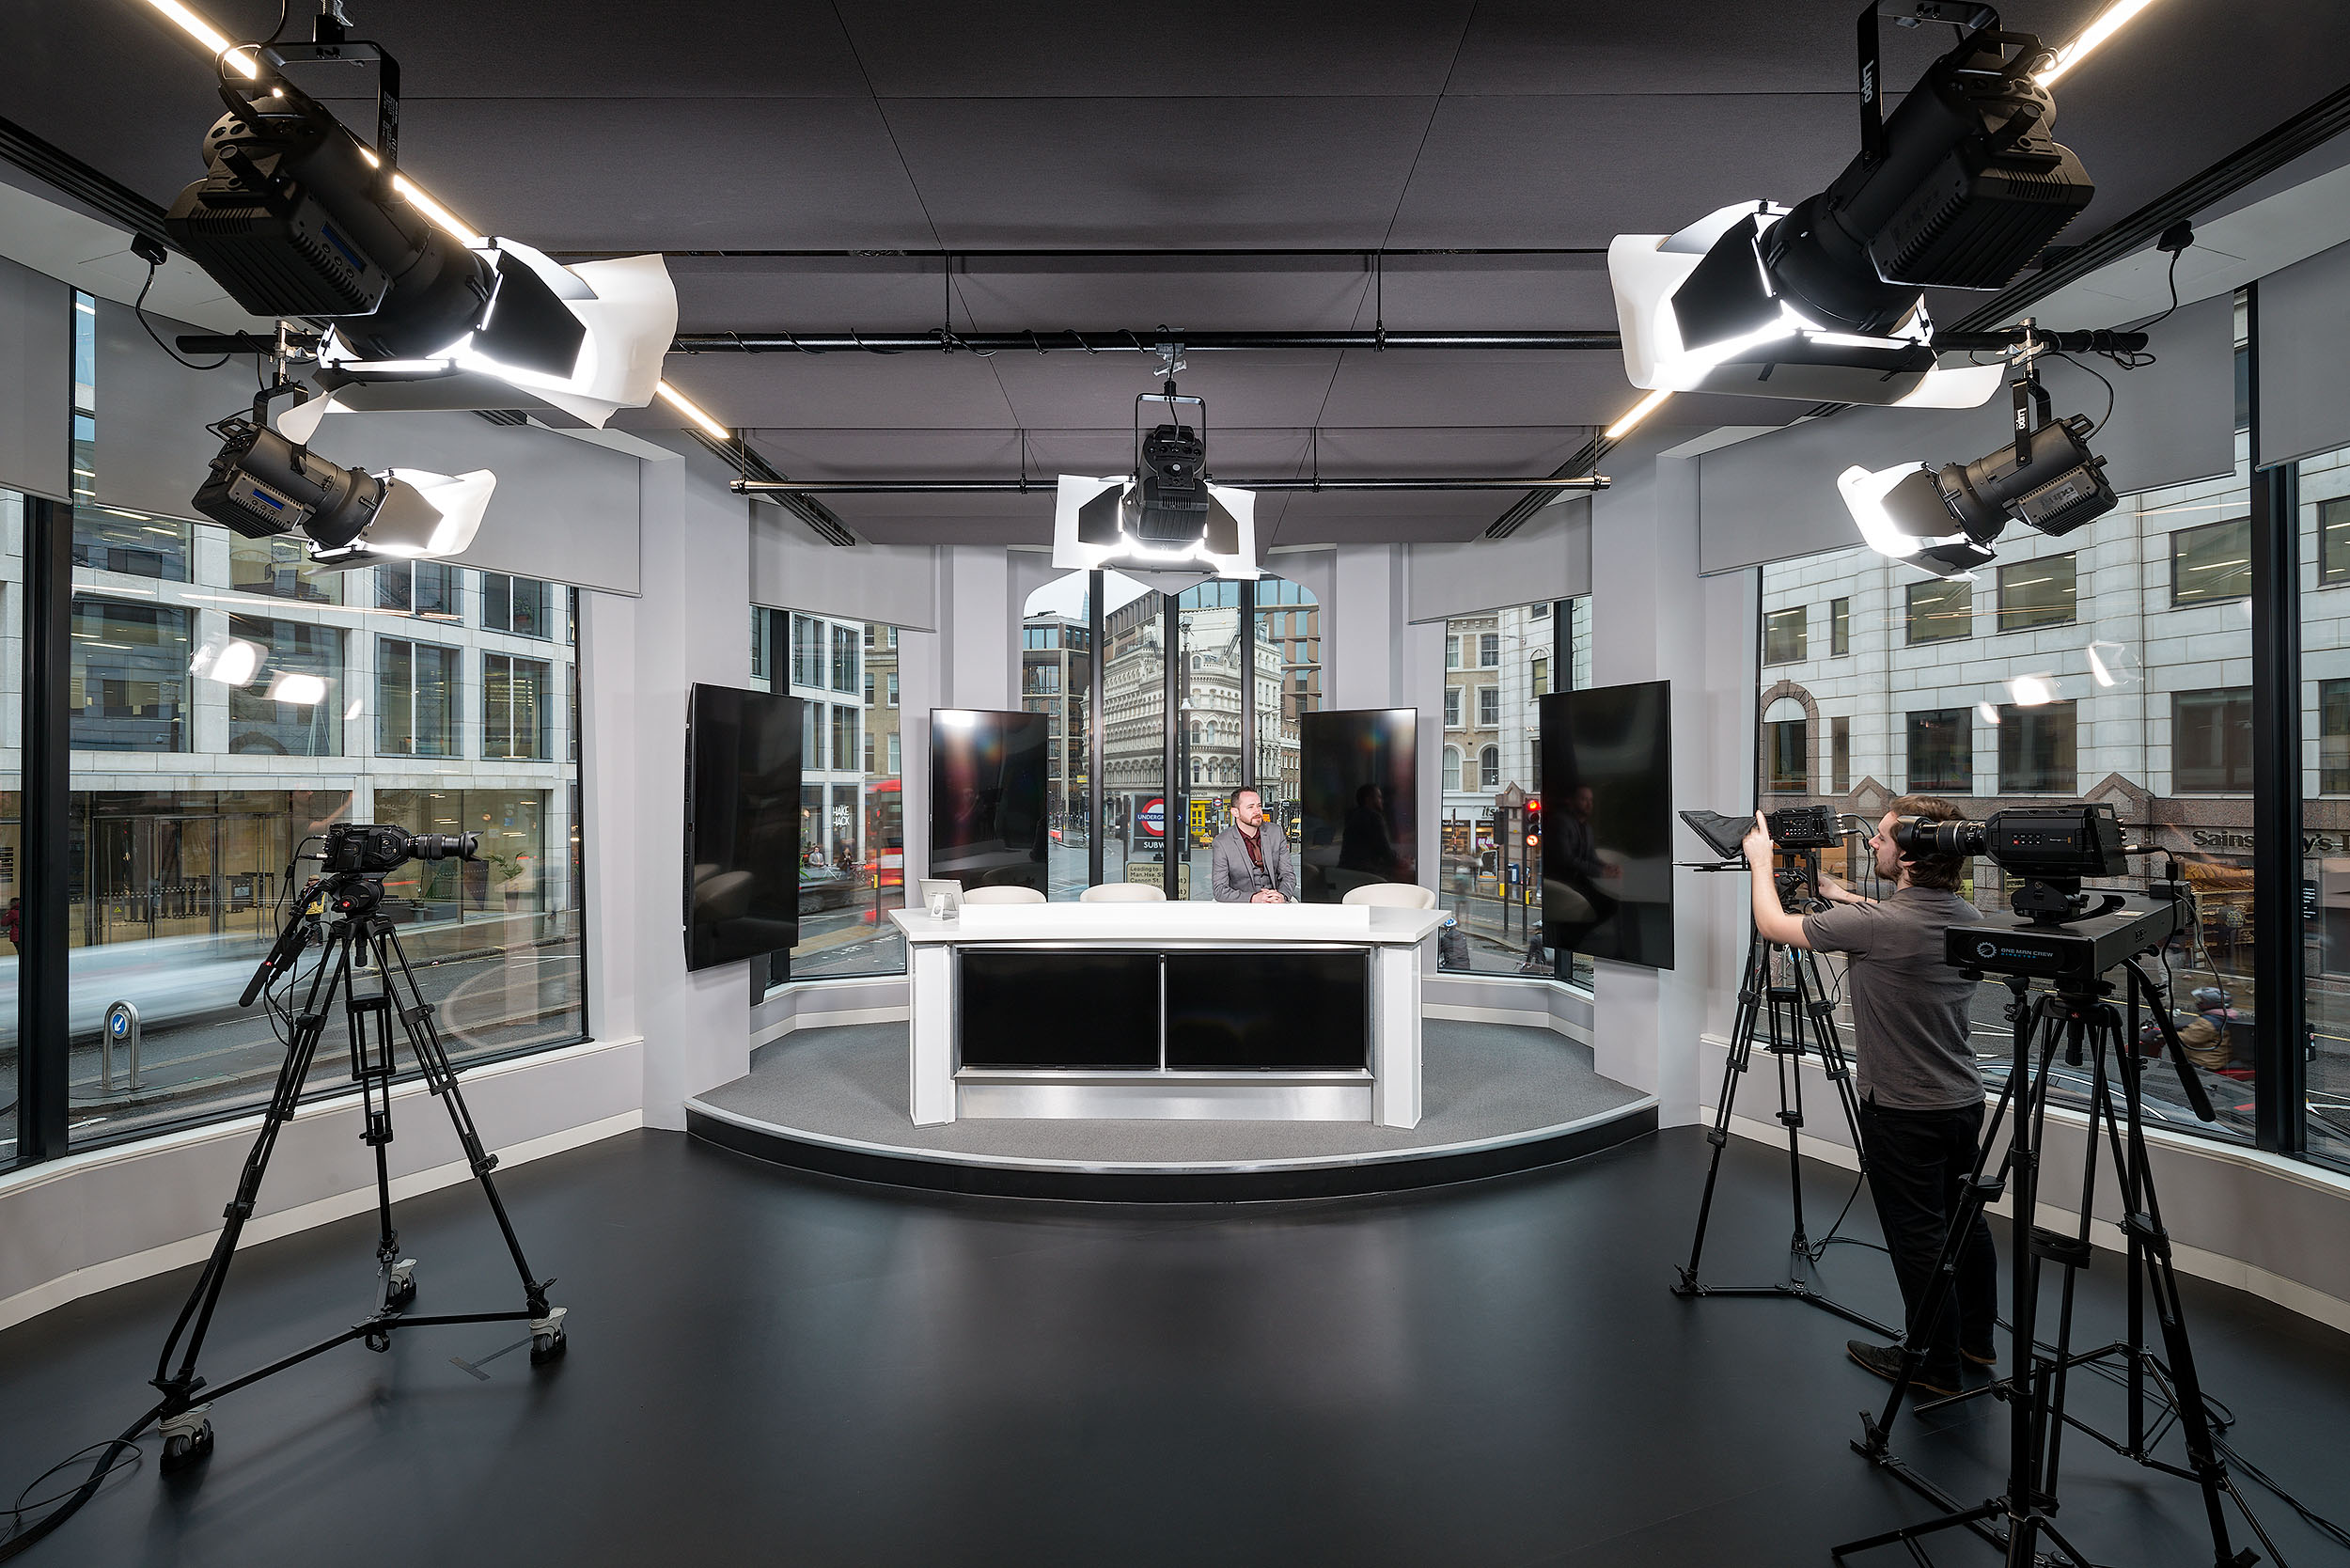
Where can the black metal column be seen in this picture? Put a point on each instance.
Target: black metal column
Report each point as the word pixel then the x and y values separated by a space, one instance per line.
pixel 1248 688
pixel 2278 1072
pixel 48 830
pixel 1095 622
pixel 1171 795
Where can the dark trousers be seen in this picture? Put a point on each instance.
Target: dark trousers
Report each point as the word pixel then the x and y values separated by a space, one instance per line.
pixel 1918 1162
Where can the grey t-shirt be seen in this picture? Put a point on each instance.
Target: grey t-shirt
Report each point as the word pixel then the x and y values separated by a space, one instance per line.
pixel 1910 1045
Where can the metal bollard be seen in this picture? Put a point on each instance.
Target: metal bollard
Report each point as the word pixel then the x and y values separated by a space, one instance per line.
pixel 122 1025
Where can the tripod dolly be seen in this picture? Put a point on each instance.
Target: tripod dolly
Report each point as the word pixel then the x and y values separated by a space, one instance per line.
pixel 341 910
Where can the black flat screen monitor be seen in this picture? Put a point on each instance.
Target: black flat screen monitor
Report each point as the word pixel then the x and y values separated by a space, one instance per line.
pixel 1607 885
pixel 1027 1007
pixel 1267 1010
pixel 1358 800
pixel 988 825
pixel 741 826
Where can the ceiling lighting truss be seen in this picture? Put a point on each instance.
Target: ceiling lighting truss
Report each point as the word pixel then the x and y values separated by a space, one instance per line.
pixel 1582 482
pixel 1127 340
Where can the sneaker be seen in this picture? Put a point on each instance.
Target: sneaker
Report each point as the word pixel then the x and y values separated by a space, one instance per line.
pixel 1981 1358
pixel 1885 1361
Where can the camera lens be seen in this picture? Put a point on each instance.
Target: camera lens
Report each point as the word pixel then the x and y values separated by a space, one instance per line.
pixel 445 846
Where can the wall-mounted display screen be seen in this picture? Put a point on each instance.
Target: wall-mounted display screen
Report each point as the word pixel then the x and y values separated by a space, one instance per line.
pixel 1358 800
pixel 741 826
pixel 988 823
pixel 1607 886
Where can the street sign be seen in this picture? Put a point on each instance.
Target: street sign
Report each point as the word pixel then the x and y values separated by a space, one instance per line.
pixel 1155 817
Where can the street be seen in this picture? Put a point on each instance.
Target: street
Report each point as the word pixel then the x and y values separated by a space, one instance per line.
pixel 484 1002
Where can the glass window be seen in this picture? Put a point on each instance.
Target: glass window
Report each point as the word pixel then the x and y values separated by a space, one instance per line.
pixel 1453 653
pixel 2323 483
pixel 2333 540
pixel 425 588
pixel 521 607
pixel 415 698
pixel 2036 593
pixel 892 678
pixel 256 674
pixel 1941 752
pixel 1940 610
pixel 2211 741
pixel 1788 765
pixel 852 828
pixel 807 653
pixel 12 910
pixel 2036 750
pixel 130 543
pixel 128 676
pixel 1483 879
pixel 845 647
pixel 516 703
pixel 280 567
pixel 2333 737
pixel 293 703
pixel 2210 563
pixel 2139 695
pixel 1783 636
pixel 845 749
pixel 1839 627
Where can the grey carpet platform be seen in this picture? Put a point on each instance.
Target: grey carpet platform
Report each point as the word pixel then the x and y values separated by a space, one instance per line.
pixel 1499 1098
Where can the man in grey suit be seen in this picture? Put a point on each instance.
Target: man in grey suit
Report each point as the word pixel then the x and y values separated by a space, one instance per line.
pixel 1249 865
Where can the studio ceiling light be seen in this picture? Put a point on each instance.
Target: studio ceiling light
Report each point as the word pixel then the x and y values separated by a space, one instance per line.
pixel 1960 187
pixel 1945 518
pixel 1640 411
pixel 262 485
pixel 1167 515
pixel 296 219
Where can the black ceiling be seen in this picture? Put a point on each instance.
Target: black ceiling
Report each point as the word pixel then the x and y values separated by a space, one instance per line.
pixel 612 125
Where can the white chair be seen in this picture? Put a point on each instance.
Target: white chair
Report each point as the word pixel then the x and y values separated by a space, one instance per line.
pixel 1002 895
pixel 1392 895
pixel 1123 892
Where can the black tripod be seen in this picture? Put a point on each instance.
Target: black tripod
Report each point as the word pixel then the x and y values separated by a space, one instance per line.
pixel 367 1017
pixel 2088 1026
pixel 1781 1003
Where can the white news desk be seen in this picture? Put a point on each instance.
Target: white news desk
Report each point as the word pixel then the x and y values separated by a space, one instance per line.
pixel 1208 1011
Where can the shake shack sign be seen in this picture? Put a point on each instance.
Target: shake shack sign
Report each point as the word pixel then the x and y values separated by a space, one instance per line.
pixel 2238 841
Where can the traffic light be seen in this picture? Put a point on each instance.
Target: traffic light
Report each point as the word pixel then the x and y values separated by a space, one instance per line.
pixel 1533 824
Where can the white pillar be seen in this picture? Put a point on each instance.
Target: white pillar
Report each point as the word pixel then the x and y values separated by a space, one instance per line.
pixel 1652 619
pixel 641 656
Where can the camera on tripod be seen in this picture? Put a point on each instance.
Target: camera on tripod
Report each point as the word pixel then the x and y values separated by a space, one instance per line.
pixel 366 849
pixel 1804 827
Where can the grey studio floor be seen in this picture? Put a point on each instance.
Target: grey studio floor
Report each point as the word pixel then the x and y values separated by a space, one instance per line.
pixel 773 1368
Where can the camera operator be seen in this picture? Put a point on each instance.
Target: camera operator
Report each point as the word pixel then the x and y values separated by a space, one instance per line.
pixel 1921 1101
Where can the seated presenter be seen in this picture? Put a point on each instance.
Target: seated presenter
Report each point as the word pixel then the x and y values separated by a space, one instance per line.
pixel 1249 865
pixel 1920 1091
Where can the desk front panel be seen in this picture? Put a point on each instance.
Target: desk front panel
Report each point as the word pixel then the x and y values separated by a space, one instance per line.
pixel 1181 1009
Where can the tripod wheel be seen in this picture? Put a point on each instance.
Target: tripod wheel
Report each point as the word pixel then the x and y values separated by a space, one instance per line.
pixel 548 1347
pixel 403 1286
pixel 184 1450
